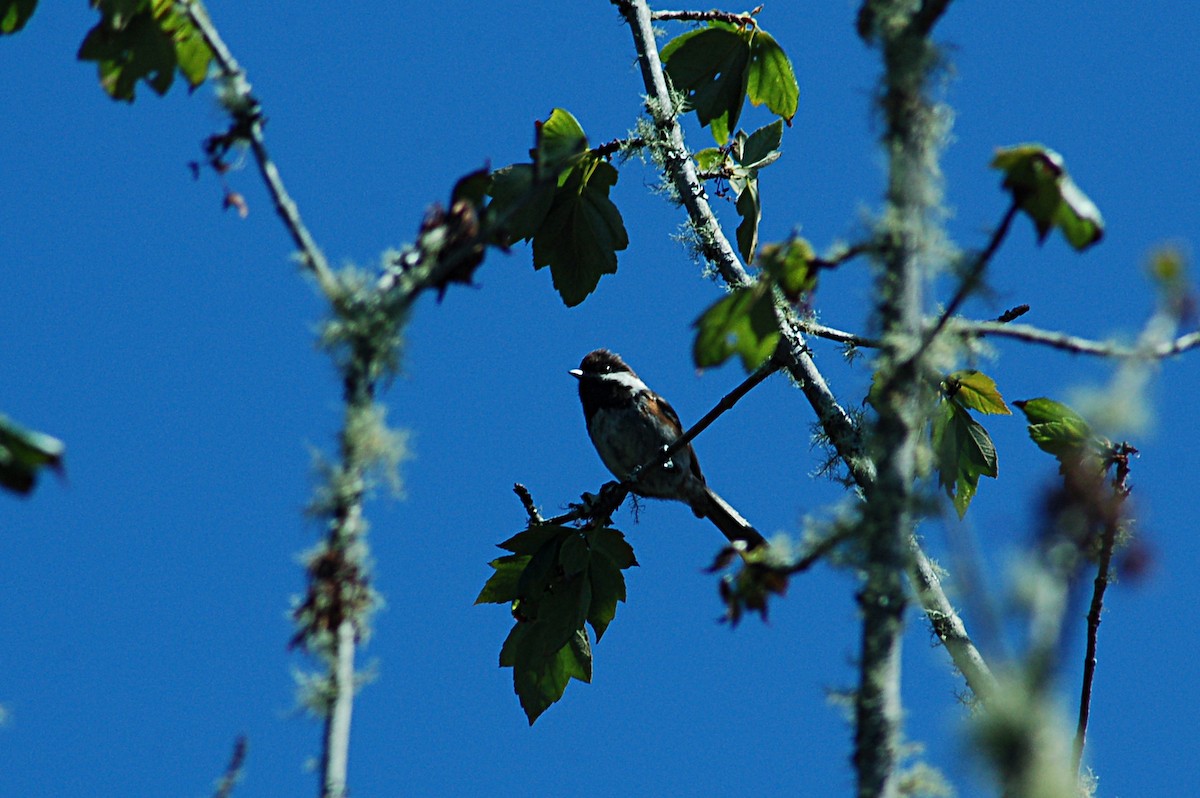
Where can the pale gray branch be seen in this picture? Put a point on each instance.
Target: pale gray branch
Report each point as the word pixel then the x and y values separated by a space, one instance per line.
pixel 336 755
pixel 833 418
pixel 1154 350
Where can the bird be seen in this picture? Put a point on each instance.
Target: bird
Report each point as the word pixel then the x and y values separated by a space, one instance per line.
pixel 630 424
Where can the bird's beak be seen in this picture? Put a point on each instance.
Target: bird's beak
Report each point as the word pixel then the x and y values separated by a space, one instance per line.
pixel 576 373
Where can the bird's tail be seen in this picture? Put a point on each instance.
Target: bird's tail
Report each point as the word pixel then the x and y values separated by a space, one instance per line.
pixel 730 522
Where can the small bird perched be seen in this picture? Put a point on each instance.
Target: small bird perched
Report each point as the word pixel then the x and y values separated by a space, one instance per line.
pixel 629 424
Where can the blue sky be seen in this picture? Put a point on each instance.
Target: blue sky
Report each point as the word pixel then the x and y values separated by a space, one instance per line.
pixel 170 345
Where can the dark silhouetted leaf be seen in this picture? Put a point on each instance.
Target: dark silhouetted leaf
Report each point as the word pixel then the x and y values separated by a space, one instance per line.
pixel 24 453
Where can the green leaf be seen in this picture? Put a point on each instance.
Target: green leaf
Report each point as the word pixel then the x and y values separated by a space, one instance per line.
pixel 144 40
pixel 582 233
pixel 561 203
pixel 718 67
pixel 14 14
pixel 771 79
pixel 1038 181
pixel 193 55
pixel 749 208
pixel 540 681
pixel 709 158
pixel 560 144
pixel 790 266
pixel 502 586
pixel 528 541
pixel 710 67
pixel 608 588
pixel 964 452
pixel 742 323
pixel 24 453
pixel 575 554
pixel 610 555
pixel 563 579
pixel 612 544
pixel 472 188
pixel 519 204
pixel 976 390
pixel 1057 429
pixel 762 147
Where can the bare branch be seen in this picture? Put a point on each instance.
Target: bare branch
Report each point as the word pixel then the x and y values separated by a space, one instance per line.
pixel 1154 350
pixel 970 280
pixel 248 124
pixel 335 756
pixel 833 334
pixel 743 20
pixel 527 502
pixel 616 145
pixel 1112 520
pixel 726 403
pixel 233 771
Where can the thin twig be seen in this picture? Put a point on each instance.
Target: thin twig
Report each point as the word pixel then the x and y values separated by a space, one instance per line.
pixel 1075 344
pixel 848 254
pixel 616 145
pixel 726 403
pixel 1120 487
pixel 233 771
pixel 970 281
pixel 833 334
pixel 613 493
pixel 248 121
pixel 527 502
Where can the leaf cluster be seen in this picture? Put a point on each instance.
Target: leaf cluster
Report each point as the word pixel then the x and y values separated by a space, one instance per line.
pixel 738 163
pixel 556 579
pixel 720 66
pixel 144 40
pixel 560 202
pixel 963 449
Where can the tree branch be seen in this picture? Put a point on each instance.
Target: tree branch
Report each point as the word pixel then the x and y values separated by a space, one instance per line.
pixel 970 280
pixel 333 615
pixel 233 771
pixel 335 757
pixel 744 20
pixel 836 423
pixel 248 125
pixel 1120 487
pixel 726 403
pixel 1081 346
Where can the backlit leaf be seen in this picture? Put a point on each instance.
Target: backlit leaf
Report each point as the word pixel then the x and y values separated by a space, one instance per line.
pixel 1038 181
pixel 976 390
pixel 741 323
